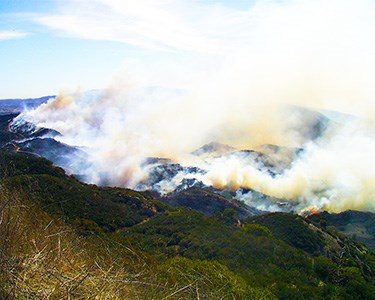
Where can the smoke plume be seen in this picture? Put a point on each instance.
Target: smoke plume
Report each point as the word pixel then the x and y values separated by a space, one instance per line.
pixel 276 57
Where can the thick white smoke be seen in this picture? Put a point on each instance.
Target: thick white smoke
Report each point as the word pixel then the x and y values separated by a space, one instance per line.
pixel 336 172
pixel 316 54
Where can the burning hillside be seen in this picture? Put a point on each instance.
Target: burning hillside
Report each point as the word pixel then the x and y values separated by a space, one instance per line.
pixel 325 171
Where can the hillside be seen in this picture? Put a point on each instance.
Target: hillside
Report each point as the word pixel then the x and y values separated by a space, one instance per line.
pixel 358 225
pixel 208 202
pixel 63 238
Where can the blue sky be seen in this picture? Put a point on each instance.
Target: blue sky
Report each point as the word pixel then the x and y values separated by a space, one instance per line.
pixel 48 46
pixel 43 61
pixel 44 48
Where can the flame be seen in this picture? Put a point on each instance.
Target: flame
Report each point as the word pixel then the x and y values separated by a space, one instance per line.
pixel 309 212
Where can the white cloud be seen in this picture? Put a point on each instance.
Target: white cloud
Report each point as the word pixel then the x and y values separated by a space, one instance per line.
pixel 8 35
pixel 214 28
pixel 318 52
pixel 163 25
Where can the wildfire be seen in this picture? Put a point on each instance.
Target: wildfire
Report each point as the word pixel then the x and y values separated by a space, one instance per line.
pixel 308 212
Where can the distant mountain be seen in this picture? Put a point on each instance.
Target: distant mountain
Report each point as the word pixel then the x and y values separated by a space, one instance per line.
pixel 18 105
pixel 23 137
pixel 162 172
pixel 310 124
pixel 214 149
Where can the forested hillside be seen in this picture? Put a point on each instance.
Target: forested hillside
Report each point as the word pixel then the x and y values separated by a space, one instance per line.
pixel 61 238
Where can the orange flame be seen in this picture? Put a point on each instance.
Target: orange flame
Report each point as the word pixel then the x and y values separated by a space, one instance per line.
pixel 310 213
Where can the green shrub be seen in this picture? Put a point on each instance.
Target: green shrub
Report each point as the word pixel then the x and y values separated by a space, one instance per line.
pixel 209 280
pixel 257 230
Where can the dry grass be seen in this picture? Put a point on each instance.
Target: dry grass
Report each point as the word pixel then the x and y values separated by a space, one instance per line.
pixel 43 258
